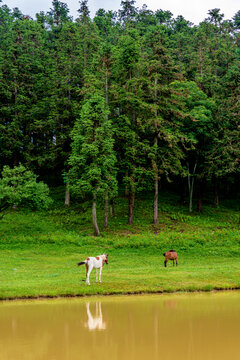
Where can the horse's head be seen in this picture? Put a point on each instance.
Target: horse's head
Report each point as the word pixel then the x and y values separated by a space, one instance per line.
pixel 105 258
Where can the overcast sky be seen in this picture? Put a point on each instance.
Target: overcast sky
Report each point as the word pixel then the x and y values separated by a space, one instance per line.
pixel 193 10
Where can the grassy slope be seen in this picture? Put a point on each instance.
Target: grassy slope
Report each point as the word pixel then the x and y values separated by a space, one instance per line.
pixel 39 251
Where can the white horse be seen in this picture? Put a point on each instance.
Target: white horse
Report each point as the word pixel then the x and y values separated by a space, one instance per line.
pixel 94 263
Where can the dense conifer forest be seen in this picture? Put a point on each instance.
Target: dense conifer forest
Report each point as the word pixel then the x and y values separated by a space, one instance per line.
pixel 126 101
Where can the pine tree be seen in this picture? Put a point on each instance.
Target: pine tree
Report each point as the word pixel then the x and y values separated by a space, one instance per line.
pixel 84 13
pixel 58 14
pixel 163 134
pixel 223 158
pixel 92 159
pixel 128 12
pixel 132 151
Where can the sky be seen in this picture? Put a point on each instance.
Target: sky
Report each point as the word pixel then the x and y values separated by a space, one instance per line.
pixel 192 10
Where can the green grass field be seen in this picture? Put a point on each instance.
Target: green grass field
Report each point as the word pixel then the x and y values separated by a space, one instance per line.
pixel 40 251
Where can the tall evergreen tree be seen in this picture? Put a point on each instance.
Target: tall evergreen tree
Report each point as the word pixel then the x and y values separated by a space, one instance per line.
pixel 84 13
pixel 128 12
pixel 58 14
pixel 126 101
pixel 162 133
pixel 223 158
pixel 92 159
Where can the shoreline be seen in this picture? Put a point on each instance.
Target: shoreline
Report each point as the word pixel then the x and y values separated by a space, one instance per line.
pixel 128 293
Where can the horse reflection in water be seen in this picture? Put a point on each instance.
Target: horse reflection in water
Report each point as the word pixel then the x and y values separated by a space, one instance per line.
pixel 95 322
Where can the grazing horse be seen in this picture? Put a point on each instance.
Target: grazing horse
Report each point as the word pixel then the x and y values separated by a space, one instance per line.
pixel 94 263
pixel 170 255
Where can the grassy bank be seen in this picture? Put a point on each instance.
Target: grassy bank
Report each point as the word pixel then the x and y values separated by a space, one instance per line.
pixel 39 251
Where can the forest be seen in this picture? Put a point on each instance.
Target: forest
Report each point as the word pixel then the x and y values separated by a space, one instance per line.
pixel 126 102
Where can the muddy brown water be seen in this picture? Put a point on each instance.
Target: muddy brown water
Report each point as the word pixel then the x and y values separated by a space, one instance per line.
pixel 183 326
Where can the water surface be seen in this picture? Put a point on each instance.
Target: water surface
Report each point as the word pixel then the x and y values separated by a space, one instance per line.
pixel 183 326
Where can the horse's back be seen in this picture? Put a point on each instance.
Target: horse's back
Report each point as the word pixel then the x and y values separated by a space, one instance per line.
pixel 171 255
pixel 95 262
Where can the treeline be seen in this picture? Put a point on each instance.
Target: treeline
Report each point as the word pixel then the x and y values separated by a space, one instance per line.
pixel 128 98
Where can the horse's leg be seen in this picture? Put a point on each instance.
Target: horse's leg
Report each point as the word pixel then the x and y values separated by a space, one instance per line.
pixel 96 275
pixel 100 274
pixel 165 263
pixel 90 267
pixel 86 265
pixel 176 262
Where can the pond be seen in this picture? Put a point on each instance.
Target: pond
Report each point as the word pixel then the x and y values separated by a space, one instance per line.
pixel 181 326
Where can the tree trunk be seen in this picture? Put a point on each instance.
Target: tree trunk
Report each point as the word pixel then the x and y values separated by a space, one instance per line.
pixel 200 202
pixel 190 185
pixel 111 207
pixel 94 217
pixel 130 208
pixel 216 198
pixel 105 223
pixel 126 191
pixel 14 207
pixel 67 195
pixel 201 187
pixel 181 191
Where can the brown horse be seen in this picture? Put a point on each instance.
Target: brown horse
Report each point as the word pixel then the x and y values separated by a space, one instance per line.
pixel 170 255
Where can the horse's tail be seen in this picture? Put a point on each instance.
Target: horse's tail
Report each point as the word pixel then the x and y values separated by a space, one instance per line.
pixel 164 254
pixel 81 263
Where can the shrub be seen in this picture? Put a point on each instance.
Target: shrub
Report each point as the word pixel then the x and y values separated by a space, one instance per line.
pixel 19 186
